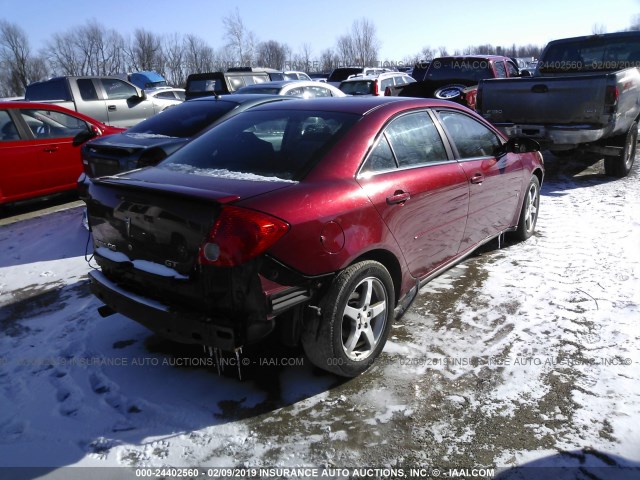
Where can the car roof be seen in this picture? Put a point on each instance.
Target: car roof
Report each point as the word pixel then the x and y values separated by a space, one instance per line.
pixel 282 83
pixel 358 105
pixel 237 98
pixel 375 76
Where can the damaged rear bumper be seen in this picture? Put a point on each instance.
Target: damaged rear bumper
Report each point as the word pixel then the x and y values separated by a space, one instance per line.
pixel 180 325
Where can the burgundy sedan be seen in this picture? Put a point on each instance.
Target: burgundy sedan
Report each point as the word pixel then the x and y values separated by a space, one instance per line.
pixel 321 216
pixel 40 148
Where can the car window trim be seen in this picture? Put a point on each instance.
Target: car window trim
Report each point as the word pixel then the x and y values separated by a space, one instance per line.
pixel 436 121
pixel 454 148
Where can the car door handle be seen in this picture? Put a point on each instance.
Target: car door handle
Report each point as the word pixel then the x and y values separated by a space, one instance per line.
pixel 478 178
pixel 112 108
pixel 51 149
pixel 398 197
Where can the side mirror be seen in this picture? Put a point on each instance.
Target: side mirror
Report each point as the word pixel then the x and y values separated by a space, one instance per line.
pixel 85 135
pixel 518 145
pixel 525 73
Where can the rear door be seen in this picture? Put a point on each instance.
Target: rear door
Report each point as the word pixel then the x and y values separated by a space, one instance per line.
pixel 495 183
pixel 421 193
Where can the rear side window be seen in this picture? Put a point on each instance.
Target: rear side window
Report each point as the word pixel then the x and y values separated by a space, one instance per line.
pixel 262 145
pixel 415 140
pixel 470 137
pixel 8 130
pixel 87 89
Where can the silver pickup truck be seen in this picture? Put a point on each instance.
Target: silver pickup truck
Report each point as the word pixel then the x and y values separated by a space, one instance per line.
pixel 108 99
pixel 584 95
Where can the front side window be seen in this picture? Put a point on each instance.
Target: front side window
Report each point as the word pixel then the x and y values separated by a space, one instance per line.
pixel 117 89
pixel 52 124
pixel 470 137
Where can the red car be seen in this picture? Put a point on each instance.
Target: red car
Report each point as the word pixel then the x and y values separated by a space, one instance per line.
pixel 321 216
pixel 40 148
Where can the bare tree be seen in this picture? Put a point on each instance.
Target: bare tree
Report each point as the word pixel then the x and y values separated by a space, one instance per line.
pixel 598 28
pixel 329 60
pixel 365 42
pixel 442 51
pixel 145 51
pixel 271 54
pixel 303 59
pixel 345 50
pixel 240 40
pixel 175 60
pixel 19 67
pixel 199 55
pixel 635 23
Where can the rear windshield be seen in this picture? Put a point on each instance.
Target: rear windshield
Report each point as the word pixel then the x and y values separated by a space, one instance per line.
pixel 360 87
pixel 262 145
pixel 462 69
pixel 184 120
pixel 591 55
pixel 340 74
pixel 212 85
pixel 267 90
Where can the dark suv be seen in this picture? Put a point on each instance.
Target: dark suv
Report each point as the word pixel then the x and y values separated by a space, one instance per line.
pixel 222 83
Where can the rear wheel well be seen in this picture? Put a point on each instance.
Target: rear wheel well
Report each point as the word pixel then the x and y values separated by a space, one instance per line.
pixel 390 262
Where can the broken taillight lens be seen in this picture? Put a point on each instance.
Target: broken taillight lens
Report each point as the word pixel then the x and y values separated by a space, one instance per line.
pixel 239 235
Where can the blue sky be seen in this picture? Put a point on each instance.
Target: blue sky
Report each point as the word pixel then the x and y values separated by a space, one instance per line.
pixel 404 27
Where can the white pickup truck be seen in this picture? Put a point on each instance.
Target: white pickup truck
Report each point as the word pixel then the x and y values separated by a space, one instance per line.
pixel 108 99
pixel 584 95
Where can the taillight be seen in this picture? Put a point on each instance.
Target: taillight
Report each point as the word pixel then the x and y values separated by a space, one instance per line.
pixel 611 95
pixel 376 90
pixel 239 235
pixel 611 98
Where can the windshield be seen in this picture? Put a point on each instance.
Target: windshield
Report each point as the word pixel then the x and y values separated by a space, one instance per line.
pixel 184 120
pixel 592 55
pixel 471 69
pixel 280 145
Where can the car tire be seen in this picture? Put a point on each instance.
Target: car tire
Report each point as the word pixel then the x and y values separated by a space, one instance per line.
pixel 620 166
pixel 449 92
pixel 529 212
pixel 353 322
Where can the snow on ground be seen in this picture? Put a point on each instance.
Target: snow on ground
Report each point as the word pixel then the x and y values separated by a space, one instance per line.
pixel 522 355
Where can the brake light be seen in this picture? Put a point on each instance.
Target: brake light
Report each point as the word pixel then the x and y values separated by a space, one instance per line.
pixel 611 95
pixel 376 90
pixel 239 235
